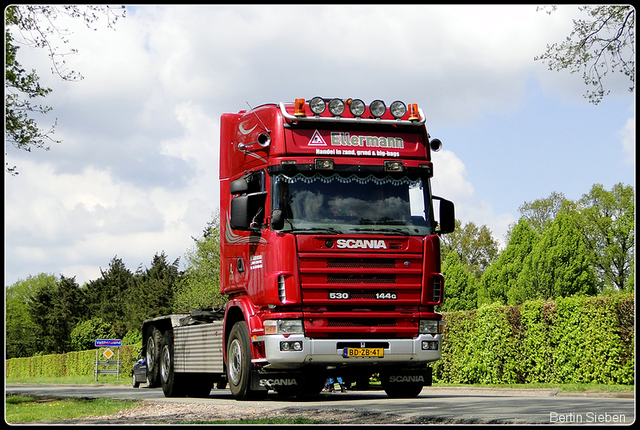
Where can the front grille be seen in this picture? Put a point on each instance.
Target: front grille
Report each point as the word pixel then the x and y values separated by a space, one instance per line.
pixel 360 279
pixel 338 286
pixel 359 263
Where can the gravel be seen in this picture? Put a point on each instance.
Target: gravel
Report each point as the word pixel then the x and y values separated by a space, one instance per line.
pixel 174 413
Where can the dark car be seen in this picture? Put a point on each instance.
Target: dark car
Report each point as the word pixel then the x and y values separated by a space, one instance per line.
pixel 139 373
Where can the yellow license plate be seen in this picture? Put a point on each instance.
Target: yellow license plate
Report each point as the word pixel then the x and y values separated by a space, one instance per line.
pixel 363 352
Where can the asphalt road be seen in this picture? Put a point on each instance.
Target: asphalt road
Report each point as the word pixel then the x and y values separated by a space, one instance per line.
pixel 435 404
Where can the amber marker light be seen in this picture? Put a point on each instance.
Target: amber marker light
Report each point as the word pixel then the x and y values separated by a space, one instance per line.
pixel 413 112
pixel 299 108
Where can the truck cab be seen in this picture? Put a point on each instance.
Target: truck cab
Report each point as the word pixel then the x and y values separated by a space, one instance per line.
pixel 330 251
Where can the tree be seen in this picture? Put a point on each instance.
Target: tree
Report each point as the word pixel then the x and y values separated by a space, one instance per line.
pixel 84 334
pixel 20 327
pixel 55 310
pixel 151 294
pixel 602 43
pixel 460 286
pixel 35 27
pixel 199 286
pixel 108 296
pixel 499 281
pixel 475 246
pixel 606 220
pixel 558 265
pixel 540 213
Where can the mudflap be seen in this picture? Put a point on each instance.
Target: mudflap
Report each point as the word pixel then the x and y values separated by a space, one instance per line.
pixel 261 381
pixel 399 377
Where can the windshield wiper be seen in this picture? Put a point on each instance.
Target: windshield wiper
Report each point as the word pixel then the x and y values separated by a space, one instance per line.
pixel 382 230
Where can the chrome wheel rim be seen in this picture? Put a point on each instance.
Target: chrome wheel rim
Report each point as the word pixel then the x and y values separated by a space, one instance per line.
pixel 235 362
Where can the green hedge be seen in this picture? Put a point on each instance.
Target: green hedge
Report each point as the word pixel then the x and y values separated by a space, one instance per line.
pixel 571 340
pixel 80 363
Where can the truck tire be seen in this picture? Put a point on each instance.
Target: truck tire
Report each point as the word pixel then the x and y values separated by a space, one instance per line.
pixel 239 365
pixel 154 340
pixel 172 382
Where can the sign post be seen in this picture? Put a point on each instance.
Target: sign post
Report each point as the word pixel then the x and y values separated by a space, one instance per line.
pixel 102 343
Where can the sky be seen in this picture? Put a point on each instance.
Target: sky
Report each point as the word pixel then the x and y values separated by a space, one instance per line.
pixel 136 173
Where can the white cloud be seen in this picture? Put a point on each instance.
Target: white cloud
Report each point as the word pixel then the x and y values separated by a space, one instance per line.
pixel 450 181
pixel 628 134
pixel 137 172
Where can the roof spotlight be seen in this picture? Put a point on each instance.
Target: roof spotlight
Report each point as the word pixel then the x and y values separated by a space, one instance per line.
pixel 317 105
pixel 398 109
pixel 377 108
pixel 336 107
pixel 357 107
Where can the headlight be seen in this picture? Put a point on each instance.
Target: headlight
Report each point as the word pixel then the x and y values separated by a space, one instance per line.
pixel 429 326
pixel 398 109
pixel 283 327
pixel 336 107
pixel 317 105
pixel 357 107
pixel 377 108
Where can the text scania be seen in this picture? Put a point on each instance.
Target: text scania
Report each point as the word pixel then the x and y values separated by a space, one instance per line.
pixel 344 139
pixel 417 378
pixel 274 382
pixel 361 244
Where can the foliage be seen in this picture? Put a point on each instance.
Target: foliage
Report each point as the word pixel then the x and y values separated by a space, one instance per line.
pixel 499 282
pixel 20 327
pixel 460 285
pixel 84 334
pixel 601 44
pixel 607 222
pixel 475 246
pixel 55 311
pixel 133 337
pixel 107 296
pixel 151 293
pixel 80 363
pixel 540 213
pixel 35 26
pixel 557 266
pixel 199 287
pixel 572 340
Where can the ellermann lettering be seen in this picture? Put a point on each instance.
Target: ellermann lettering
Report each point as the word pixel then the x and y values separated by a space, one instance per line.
pixel 344 139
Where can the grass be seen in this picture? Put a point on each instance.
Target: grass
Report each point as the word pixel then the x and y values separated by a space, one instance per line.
pixel 32 408
pixel 74 380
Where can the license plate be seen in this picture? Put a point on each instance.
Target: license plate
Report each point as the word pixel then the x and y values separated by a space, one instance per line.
pixel 363 352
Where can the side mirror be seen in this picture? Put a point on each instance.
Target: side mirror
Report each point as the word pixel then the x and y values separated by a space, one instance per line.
pixel 239 186
pixel 277 219
pixel 247 211
pixel 447 216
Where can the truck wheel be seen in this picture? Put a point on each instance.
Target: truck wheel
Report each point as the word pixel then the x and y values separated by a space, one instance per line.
pixel 134 381
pixel 239 361
pixel 172 385
pixel 154 340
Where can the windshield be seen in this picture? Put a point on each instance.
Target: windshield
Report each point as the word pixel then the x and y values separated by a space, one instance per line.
pixel 348 203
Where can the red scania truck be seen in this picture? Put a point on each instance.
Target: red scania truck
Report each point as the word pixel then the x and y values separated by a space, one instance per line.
pixel 330 256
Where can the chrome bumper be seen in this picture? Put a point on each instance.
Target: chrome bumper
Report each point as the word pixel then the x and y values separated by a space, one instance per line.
pixel 326 351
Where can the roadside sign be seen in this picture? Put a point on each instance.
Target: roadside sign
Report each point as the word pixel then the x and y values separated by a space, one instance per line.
pixel 108 353
pixel 108 342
